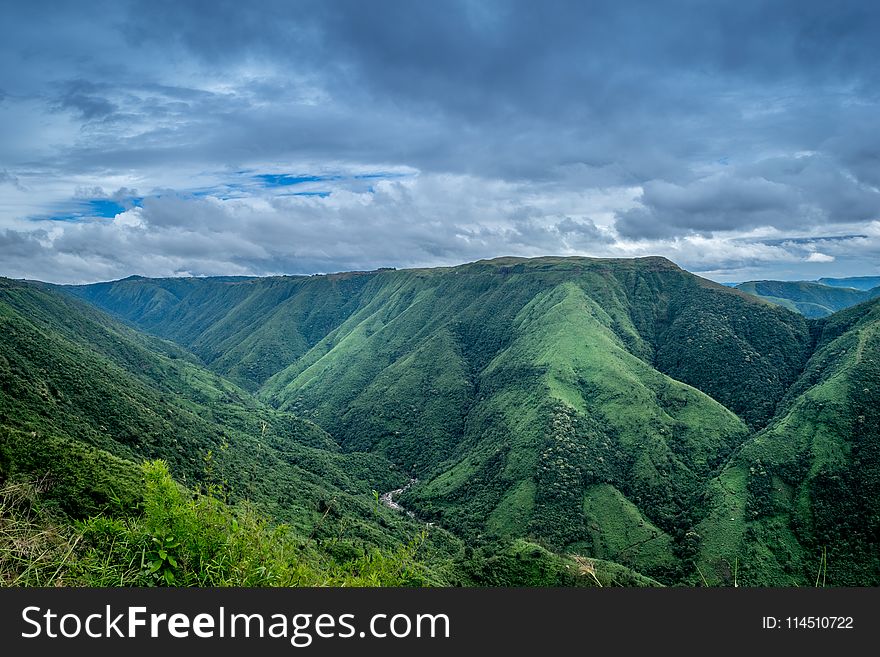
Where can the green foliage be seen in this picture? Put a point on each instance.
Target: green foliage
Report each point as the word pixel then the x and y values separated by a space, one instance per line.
pixel 180 539
pixel 742 355
pixel 77 387
pixel 809 484
pixel 508 386
pixel 77 480
pixel 523 563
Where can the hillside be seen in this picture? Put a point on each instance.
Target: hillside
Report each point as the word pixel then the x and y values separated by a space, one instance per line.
pixel 245 329
pixel 532 398
pixel 84 400
pixel 250 329
pixel 70 373
pixel 810 482
pixel 812 299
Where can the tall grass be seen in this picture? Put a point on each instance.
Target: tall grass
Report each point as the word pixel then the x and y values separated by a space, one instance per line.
pixel 178 538
pixel 34 549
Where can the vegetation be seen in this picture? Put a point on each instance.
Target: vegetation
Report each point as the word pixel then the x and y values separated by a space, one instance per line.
pixel 179 539
pixel 568 421
pixel 809 484
pixel 85 399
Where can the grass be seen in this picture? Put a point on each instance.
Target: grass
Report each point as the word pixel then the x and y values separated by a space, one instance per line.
pixel 510 518
pixel 182 539
pixel 619 532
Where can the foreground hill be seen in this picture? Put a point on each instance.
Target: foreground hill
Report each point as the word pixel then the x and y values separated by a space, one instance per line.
pixel 813 299
pixel 582 402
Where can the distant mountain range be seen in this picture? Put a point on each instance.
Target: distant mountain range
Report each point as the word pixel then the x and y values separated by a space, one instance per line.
pixel 816 298
pixel 562 418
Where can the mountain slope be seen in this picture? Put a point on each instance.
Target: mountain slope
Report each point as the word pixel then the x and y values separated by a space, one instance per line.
pixel 83 400
pixel 245 329
pixel 810 482
pixel 249 329
pixel 585 403
pixel 589 413
pixel 71 376
pixel 511 387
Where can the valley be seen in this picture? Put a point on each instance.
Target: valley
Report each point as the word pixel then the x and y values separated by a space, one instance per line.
pixel 532 412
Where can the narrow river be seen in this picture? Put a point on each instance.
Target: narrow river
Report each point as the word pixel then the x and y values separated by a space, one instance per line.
pixel 388 498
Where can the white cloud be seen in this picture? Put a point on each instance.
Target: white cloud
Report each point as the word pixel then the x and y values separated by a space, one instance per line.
pixel 411 221
pixel 819 257
pixel 517 131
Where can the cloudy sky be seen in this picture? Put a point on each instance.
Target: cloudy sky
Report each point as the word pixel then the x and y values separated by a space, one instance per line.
pixel 740 139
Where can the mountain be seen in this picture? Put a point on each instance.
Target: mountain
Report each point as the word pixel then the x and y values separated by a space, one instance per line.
pixel 250 330
pixel 584 403
pixel 84 401
pixel 245 329
pixel 857 282
pixel 70 374
pixel 802 497
pixel 813 299
pixel 562 421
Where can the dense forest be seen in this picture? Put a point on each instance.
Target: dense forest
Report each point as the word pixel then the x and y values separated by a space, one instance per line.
pixel 563 421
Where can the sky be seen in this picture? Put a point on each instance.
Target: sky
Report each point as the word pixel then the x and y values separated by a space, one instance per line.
pixel 169 138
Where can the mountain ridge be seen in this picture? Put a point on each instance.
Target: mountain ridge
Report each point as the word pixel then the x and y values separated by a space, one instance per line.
pixel 539 398
pixel 813 299
pixel 459 374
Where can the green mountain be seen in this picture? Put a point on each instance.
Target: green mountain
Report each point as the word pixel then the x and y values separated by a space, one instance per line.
pixel 85 400
pixel 800 501
pixel 562 421
pixel 70 374
pixel 813 299
pixel 245 329
pixel 583 403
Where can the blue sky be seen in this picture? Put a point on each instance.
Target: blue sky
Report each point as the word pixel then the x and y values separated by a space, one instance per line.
pixel 740 140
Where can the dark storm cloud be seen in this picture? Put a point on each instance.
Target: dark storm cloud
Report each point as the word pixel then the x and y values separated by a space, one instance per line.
pixel 533 127
pixel 85 98
pixel 717 203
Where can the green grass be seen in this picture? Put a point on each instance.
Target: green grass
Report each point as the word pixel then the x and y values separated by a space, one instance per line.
pixel 180 539
pixel 510 518
pixel 619 532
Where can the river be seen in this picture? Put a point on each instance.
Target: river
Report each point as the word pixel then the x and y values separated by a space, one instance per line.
pixel 388 498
